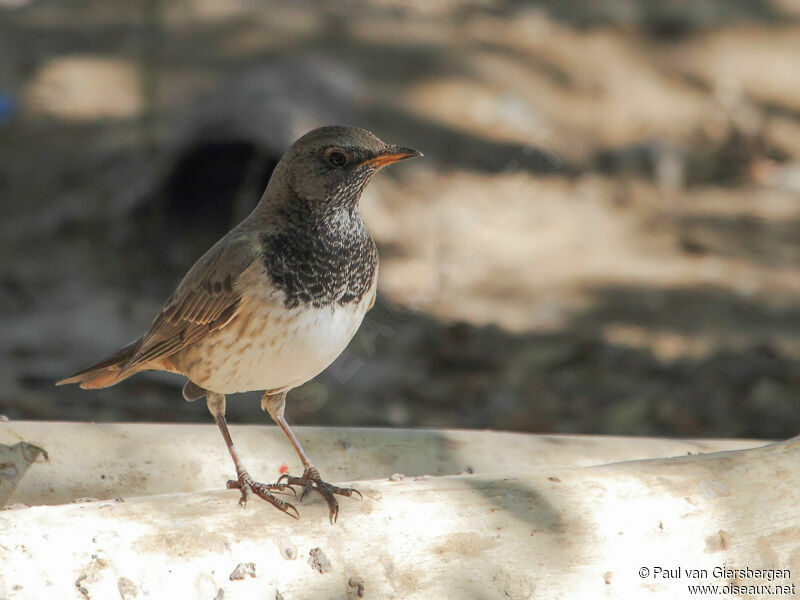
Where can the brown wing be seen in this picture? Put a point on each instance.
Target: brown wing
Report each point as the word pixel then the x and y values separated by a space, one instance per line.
pixel 206 300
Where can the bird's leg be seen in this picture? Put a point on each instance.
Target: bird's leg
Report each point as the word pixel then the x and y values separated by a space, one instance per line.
pixel 274 404
pixel 243 481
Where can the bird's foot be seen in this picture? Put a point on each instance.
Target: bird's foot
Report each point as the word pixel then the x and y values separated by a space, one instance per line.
pixel 262 490
pixel 311 479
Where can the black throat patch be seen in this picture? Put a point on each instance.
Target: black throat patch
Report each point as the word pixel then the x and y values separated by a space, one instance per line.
pixel 320 263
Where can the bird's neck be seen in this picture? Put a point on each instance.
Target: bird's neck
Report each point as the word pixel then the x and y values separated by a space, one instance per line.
pixel 288 210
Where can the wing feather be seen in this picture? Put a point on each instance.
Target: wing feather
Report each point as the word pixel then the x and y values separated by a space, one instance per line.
pixel 206 300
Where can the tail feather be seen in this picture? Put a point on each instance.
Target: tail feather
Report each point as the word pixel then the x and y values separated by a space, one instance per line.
pixel 106 372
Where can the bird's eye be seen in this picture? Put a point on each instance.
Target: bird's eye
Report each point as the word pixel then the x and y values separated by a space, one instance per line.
pixel 337 158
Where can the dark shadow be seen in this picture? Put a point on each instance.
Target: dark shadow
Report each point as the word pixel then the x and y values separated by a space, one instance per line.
pixel 669 20
pixel 745 237
pixel 519 499
pixel 727 162
pixel 203 184
pixel 211 185
pixel 697 310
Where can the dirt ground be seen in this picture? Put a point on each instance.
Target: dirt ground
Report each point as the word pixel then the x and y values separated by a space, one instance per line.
pixel 603 236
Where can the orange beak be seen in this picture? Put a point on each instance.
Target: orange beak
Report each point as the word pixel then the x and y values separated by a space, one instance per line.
pixel 392 154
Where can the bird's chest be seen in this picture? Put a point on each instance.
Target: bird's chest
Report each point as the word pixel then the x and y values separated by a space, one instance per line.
pixel 301 306
pixel 323 266
pixel 270 346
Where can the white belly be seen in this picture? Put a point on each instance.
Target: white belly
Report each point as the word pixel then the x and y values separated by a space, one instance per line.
pixel 271 347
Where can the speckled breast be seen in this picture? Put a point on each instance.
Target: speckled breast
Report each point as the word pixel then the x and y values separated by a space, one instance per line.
pixel 269 346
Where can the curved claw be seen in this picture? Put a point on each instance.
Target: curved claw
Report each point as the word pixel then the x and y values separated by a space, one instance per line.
pixel 307 488
pixel 310 480
pixel 289 507
pixel 308 484
pixel 245 489
pixel 249 487
pixel 282 487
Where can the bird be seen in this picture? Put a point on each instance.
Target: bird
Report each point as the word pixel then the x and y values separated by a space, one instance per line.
pixel 275 300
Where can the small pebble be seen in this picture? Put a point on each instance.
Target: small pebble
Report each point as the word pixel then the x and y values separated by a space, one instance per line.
pixel 287 548
pixel 397 477
pixel 355 588
pixel 242 570
pixel 318 561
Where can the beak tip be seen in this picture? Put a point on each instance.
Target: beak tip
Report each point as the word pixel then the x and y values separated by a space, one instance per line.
pixel 403 152
pixel 393 154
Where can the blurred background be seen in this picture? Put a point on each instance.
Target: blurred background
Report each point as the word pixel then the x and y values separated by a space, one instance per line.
pixel 603 236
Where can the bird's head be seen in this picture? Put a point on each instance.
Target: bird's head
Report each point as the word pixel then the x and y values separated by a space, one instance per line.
pixel 330 166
